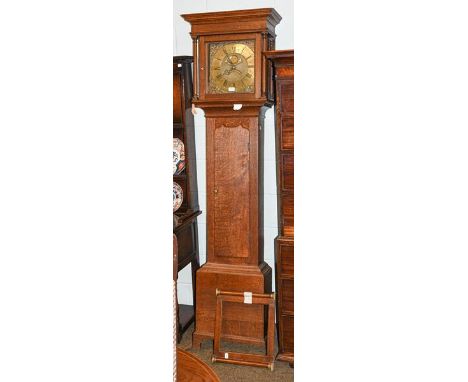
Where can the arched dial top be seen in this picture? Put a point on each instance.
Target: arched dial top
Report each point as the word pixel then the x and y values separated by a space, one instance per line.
pixel 232 67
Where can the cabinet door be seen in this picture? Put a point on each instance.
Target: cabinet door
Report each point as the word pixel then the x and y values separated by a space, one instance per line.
pixel 230 162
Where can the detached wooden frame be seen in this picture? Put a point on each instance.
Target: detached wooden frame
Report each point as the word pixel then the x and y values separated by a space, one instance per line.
pixel 259 360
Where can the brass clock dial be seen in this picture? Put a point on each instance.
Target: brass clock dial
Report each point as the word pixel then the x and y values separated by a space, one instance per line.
pixel 232 67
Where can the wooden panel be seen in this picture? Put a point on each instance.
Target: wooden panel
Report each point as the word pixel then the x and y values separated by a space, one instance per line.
pixel 186 244
pixel 231 193
pixel 285 71
pixel 288 333
pixel 287 133
pixel 286 89
pixel 288 172
pixel 288 214
pixel 286 259
pixel 243 322
pixel 287 296
pixel 177 98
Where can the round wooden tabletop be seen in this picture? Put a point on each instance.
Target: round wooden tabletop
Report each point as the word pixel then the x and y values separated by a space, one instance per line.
pixel 192 369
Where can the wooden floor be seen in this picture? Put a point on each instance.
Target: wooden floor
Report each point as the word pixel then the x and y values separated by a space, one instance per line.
pixel 234 373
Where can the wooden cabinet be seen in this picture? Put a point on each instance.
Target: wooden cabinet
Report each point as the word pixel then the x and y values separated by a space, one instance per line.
pixel 283 64
pixel 185 219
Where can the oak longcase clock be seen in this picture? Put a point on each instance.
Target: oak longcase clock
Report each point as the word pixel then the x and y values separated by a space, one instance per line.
pixel 233 87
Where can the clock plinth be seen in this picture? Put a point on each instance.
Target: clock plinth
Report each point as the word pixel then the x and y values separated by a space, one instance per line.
pixel 241 323
pixel 231 87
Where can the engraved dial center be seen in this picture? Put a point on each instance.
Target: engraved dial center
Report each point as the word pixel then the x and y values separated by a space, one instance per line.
pixel 234 67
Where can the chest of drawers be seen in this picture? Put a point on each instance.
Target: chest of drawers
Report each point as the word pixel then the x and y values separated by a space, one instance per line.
pixel 283 63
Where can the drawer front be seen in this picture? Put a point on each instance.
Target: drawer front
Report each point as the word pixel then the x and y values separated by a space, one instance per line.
pixel 286 260
pixel 287 164
pixel 287 133
pixel 286 96
pixel 287 201
pixel 285 72
pixel 287 324
pixel 287 296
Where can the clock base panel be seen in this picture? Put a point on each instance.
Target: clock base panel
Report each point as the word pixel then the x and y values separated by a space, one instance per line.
pixel 244 323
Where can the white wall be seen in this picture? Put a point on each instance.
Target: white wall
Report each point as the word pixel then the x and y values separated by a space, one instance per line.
pixel 182 45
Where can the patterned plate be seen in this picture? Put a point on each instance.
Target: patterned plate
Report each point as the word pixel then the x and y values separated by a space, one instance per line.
pixel 177 197
pixel 178 156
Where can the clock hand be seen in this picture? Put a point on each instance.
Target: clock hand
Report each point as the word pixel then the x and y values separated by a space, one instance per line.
pixel 232 69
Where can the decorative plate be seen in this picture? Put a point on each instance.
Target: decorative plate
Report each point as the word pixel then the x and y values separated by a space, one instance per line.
pixel 177 197
pixel 178 156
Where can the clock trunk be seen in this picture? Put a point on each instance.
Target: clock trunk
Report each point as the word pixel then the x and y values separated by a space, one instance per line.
pixel 234 224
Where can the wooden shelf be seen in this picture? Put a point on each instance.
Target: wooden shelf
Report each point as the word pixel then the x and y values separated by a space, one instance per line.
pixel 184 218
